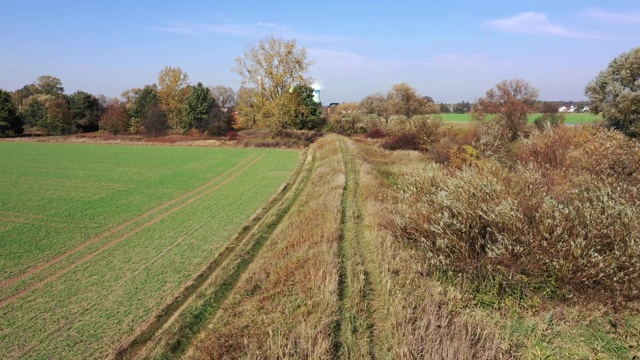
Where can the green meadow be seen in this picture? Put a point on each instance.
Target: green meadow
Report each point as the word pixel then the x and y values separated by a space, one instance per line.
pixel 95 238
pixel 571 118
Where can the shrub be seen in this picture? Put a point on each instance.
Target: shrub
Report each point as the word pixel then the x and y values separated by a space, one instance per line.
pixel 375 134
pixel 449 139
pixel 549 120
pixel 232 135
pixel 403 141
pixel 523 235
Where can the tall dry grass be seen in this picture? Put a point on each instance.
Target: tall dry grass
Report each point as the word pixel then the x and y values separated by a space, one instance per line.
pixel 286 303
pixel 414 316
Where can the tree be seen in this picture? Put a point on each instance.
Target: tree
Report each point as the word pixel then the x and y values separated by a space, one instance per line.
pixel 224 96
pixel 155 121
pixel 86 110
pixel 49 85
pixel 273 67
pixel 511 101
pixel 616 93
pixel 59 118
pixel 143 100
pixel 10 121
pixel 34 111
pixel 173 89
pixel 403 100
pixel 346 119
pixel 374 104
pixel 114 119
pixel 307 112
pixel 196 109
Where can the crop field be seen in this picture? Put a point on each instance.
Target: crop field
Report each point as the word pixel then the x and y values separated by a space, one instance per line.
pixel 94 239
pixel 571 118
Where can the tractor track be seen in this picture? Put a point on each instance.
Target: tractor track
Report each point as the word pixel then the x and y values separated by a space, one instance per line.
pixel 203 295
pixel 354 330
pixel 62 256
pixel 23 291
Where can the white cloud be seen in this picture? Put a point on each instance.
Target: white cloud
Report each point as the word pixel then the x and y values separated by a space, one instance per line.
pixel 177 29
pixel 536 23
pixel 632 18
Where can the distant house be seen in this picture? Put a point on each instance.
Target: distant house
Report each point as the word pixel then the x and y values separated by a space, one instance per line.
pixel 567 108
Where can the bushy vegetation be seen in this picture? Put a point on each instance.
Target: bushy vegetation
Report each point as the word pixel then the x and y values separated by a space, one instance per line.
pixel 555 216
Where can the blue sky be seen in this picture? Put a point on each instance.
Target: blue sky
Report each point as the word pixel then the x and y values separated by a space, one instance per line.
pixel 450 50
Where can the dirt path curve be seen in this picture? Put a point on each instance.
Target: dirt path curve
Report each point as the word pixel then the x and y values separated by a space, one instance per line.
pixel 57 258
pixel 20 293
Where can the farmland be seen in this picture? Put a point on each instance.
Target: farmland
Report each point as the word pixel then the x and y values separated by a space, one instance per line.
pixel 96 238
pixel 571 118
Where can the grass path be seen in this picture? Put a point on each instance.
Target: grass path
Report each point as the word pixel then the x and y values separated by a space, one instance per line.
pixel 354 331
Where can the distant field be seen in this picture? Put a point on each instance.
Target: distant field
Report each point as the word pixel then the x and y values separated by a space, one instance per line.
pixel 571 118
pixel 95 238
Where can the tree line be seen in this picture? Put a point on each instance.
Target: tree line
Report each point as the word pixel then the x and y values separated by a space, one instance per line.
pixel 276 94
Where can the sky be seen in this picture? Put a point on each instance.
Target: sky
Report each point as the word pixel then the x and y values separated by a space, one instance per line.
pixel 450 50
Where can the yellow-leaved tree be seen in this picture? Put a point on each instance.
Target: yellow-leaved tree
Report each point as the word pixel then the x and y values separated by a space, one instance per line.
pixel 270 70
pixel 173 90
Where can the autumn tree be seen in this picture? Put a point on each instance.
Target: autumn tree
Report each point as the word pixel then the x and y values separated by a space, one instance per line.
pixel 10 121
pixel 114 119
pixel 346 118
pixel 273 67
pixel 510 101
pixel 374 104
pixel 34 110
pixel 247 104
pixel 173 90
pixel 59 118
pixel 224 96
pixel 616 93
pixel 49 85
pixel 405 101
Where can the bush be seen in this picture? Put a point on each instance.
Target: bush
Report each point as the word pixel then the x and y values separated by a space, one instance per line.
pixel 403 141
pixel 375 134
pixel 450 139
pixel 561 223
pixel 232 135
pixel 549 120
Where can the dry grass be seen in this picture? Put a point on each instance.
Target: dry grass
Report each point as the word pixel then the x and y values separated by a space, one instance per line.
pixel 414 316
pixel 286 304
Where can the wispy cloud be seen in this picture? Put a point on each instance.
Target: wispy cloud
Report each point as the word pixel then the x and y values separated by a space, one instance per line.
pixel 632 18
pixel 177 29
pixel 536 23
pixel 257 29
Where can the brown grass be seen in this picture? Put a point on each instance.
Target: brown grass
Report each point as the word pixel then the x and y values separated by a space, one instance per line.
pixel 414 316
pixel 286 304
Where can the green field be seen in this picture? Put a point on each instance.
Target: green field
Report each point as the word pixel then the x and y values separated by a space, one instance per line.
pixel 571 118
pixel 95 238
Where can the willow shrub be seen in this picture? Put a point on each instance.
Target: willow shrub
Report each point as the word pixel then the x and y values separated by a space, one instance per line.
pixel 564 222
